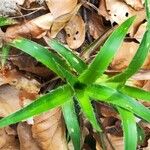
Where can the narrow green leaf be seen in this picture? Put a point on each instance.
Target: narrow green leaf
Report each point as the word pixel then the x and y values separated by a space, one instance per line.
pixel 137 61
pixel 106 54
pixel 112 96
pixel 136 93
pixel 72 123
pixel 86 106
pixel 6 21
pixel 5 53
pixel 74 61
pixel 51 100
pixel 147 5
pixel 129 129
pixel 44 56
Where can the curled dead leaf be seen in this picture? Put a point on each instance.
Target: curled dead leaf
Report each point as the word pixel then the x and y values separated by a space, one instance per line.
pixel 49 130
pixel 58 8
pixel 75 31
pixel 25 137
pixel 136 4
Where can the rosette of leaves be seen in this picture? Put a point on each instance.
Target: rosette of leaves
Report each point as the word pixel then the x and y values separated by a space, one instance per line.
pixel 87 83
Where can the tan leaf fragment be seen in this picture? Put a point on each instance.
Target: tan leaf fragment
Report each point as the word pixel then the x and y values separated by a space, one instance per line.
pixel 140 32
pixel 9 100
pixel 58 8
pixel 8 141
pixel 75 31
pixel 118 11
pixel 49 130
pixel 96 26
pixel 136 4
pixel 25 137
pixel 124 55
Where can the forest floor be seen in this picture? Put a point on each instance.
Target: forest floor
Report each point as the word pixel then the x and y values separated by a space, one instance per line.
pixel 22 79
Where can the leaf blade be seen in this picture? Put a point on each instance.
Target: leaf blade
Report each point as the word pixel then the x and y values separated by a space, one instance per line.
pixel 74 61
pixel 72 123
pixel 129 128
pixel 106 54
pixel 42 104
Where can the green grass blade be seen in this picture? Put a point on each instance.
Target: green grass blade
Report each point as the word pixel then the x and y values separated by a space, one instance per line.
pixel 112 96
pixel 74 61
pixel 137 61
pixel 136 93
pixel 6 21
pixel 147 5
pixel 106 54
pixel 51 100
pixel 5 53
pixel 129 129
pixel 72 123
pixel 44 56
pixel 86 106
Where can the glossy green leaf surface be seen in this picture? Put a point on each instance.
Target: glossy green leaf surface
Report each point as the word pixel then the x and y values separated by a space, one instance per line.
pixel 5 53
pixel 106 53
pixel 72 123
pixel 87 109
pixel 129 129
pixel 6 21
pixel 137 60
pixel 136 93
pixel 111 96
pixel 51 100
pixel 74 61
pixel 44 56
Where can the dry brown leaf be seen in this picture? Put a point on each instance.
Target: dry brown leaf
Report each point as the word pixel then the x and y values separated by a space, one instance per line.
pixel 60 22
pixel 75 30
pixel 140 32
pixel 25 137
pixel 96 26
pixel 136 4
pixel 9 100
pixel 49 130
pixel 58 8
pixel 124 55
pixel 118 11
pixel 117 142
pixel 8 142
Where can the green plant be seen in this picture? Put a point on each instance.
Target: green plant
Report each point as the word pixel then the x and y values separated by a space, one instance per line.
pixel 86 83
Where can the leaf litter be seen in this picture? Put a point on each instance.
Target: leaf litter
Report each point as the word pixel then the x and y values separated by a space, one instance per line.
pixel 24 79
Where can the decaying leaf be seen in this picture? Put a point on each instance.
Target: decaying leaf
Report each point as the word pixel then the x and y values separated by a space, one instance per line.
pixel 58 8
pixel 9 100
pixel 25 137
pixel 117 11
pixel 75 30
pixel 96 26
pixel 49 130
pixel 136 4
pixel 139 34
pixel 124 55
pixel 8 141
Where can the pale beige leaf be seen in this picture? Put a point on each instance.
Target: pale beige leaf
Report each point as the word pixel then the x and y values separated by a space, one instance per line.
pixel 9 100
pixel 136 4
pixel 25 137
pixel 75 31
pixel 59 8
pixel 49 130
